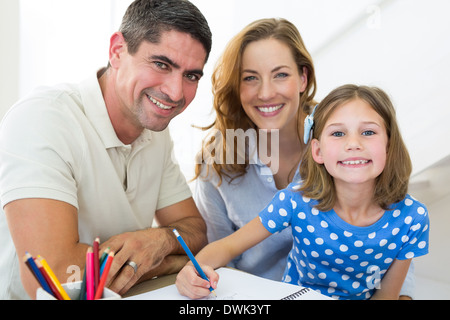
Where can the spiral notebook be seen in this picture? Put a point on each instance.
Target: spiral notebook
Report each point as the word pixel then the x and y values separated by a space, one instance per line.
pixel 238 285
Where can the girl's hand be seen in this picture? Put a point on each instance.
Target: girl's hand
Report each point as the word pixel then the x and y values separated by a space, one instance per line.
pixel 191 285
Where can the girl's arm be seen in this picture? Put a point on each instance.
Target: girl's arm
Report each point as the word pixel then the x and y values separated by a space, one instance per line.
pixel 392 281
pixel 218 254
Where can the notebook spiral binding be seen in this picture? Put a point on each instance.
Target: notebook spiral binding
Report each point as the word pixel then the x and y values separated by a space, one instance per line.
pixel 297 294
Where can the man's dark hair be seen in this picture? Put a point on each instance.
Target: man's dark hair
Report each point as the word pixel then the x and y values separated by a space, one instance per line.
pixel 148 19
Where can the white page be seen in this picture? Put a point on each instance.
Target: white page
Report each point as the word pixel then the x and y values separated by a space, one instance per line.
pixel 237 285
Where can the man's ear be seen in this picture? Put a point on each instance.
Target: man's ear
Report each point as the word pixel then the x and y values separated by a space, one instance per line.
pixel 316 151
pixel 117 46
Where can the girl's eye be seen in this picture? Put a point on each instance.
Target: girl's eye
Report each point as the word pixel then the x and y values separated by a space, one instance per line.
pixel 368 133
pixel 337 134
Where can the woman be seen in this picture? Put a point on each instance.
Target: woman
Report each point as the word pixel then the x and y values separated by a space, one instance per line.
pixel 264 84
pixel 273 88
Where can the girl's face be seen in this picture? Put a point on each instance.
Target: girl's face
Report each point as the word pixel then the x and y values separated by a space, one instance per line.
pixel 271 84
pixel 353 144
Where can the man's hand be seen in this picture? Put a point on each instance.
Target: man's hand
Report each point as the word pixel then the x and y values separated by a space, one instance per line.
pixel 146 248
pixel 156 250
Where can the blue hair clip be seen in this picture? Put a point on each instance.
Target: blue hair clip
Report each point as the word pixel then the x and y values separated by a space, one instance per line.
pixel 309 123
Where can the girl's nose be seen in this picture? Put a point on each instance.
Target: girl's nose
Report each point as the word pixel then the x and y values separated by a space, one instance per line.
pixel 353 142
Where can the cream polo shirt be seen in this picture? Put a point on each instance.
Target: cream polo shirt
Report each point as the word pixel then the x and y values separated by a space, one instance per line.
pixel 59 143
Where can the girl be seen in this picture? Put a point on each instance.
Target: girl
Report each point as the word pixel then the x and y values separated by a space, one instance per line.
pixel 355 229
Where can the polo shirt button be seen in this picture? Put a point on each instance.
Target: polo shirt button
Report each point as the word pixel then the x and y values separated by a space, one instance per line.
pixel 270 179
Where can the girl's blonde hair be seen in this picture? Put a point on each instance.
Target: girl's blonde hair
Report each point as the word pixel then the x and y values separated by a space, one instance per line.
pixel 392 184
pixel 226 80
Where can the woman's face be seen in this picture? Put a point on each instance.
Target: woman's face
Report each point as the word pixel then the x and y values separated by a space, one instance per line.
pixel 271 85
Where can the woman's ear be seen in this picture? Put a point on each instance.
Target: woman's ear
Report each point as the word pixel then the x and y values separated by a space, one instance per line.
pixel 304 78
pixel 316 151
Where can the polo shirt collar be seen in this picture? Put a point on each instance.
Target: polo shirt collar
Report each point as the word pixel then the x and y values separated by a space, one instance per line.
pixel 97 114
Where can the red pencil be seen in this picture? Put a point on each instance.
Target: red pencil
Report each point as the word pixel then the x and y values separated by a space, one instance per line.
pixel 101 285
pixel 96 262
pixel 90 274
pixel 49 280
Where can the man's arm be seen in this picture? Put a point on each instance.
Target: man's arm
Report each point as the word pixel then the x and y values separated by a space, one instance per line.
pixel 156 250
pixel 48 228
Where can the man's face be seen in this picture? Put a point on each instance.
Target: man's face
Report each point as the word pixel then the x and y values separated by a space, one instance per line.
pixel 159 81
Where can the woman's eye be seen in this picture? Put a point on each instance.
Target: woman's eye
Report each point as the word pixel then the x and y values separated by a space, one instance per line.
pixel 282 75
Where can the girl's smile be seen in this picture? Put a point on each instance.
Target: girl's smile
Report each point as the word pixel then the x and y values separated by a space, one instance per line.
pixel 354 162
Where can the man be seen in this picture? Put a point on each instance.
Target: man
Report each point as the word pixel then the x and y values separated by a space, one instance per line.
pixel 94 159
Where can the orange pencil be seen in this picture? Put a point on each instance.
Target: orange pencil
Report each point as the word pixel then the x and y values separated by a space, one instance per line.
pixel 101 285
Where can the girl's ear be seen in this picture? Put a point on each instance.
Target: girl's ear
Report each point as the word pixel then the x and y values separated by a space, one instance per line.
pixel 316 151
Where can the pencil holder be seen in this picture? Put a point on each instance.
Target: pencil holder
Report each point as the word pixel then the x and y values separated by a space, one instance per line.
pixel 73 290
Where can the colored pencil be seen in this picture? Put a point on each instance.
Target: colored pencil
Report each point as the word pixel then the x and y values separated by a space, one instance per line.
pixel 103 260
pixel 101 285
pixel 82 295
pixel 96 263
pixel 104 256
pixel 193 260
pixel 90 274
pixel 53 278
pixel 29 261
pixel 83 283
pixel 50 283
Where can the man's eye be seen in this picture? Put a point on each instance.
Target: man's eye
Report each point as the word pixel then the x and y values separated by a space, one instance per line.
pixel 161 65
pixel 193 77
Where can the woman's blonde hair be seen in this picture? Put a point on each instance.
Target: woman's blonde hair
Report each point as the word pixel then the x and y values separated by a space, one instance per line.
pixel 392 184
pixel 226 89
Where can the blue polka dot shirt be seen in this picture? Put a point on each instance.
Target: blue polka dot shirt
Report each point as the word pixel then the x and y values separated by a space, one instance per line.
pixel 338 259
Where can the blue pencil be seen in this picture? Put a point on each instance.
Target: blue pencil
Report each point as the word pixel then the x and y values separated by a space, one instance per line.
pixel 191 256
pixel 29 261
